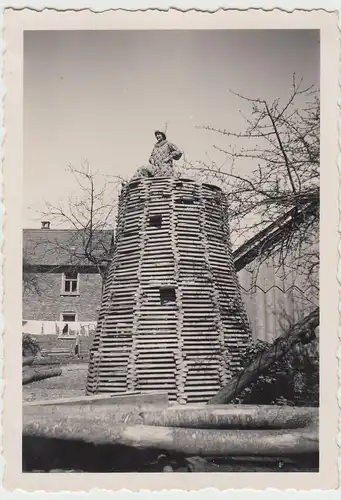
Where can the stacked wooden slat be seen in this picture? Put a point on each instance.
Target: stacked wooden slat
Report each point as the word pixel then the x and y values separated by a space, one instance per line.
pixel 112 354
pixel 172 316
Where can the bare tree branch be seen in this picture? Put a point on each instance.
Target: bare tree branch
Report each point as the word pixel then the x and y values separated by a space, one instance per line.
pixel 89 214
pixel 281 144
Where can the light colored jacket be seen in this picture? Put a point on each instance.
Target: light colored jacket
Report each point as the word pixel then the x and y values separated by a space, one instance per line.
pixel 164 152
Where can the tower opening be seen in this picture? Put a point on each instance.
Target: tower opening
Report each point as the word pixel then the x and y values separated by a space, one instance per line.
pixel 155 220
pixel 167 295
pixel 134 185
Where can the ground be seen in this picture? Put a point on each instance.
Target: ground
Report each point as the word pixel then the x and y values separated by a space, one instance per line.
pixel 72 383
pixel 69 384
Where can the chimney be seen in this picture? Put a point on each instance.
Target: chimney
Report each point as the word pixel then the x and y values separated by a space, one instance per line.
pixel 45 224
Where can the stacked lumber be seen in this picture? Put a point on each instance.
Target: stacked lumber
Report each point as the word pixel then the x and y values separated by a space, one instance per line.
pixel 172 316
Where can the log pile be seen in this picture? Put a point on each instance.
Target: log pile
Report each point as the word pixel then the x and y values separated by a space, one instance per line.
pixel 215 431
pixel 172 316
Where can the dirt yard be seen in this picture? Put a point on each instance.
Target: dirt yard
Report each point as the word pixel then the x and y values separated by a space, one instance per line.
pixel 69 384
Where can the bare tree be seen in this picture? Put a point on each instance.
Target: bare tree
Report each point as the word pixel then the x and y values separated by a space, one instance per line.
pixel 30 280
pixel 281 191
pixel 89 214
pixel 274 205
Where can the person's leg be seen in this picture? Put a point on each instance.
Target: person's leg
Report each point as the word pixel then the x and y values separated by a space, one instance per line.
pixel 164 170
pixel 145 171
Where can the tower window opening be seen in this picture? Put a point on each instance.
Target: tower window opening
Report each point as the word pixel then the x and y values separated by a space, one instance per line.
pixel 134 185
pixel 155 220
pixel 167 295
pixel 186 201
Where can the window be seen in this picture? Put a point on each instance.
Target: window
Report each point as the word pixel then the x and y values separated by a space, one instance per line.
pixel 155 220
pixel 68 317
pixel 167 295
pixel 70 283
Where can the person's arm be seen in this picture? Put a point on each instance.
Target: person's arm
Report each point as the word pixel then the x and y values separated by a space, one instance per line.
pixel 151 158
pixel 175 152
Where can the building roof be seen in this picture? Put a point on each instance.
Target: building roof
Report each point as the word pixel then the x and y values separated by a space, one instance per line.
pixel 58 247
pixel 269 236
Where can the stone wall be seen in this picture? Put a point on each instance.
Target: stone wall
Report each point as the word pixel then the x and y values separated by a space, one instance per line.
pixel 46 303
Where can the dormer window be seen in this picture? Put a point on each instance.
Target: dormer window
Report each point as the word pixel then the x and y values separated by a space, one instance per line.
pixel 70 283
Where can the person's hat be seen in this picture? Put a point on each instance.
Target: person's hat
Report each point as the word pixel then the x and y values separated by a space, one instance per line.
pixel 161 133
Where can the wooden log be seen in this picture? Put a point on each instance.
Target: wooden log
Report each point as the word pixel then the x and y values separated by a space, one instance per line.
pixel 301 330
pixel 233 417
pixel 35 374
pixel 27 360
pixel 45 361
pixel 203 442
pixel 200 393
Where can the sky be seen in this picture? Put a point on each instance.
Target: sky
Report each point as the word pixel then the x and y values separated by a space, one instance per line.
pixel 98 96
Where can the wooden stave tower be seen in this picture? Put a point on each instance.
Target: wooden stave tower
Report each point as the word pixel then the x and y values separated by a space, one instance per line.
pixel 172 316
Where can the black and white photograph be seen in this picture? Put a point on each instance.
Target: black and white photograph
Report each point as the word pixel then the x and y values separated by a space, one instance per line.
pixel 171 251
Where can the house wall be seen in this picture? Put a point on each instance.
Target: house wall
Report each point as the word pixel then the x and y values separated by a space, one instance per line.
pixel 46 303
pixel 275 302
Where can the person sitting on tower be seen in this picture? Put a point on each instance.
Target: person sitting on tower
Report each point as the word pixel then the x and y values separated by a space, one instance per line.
pixel 161 158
